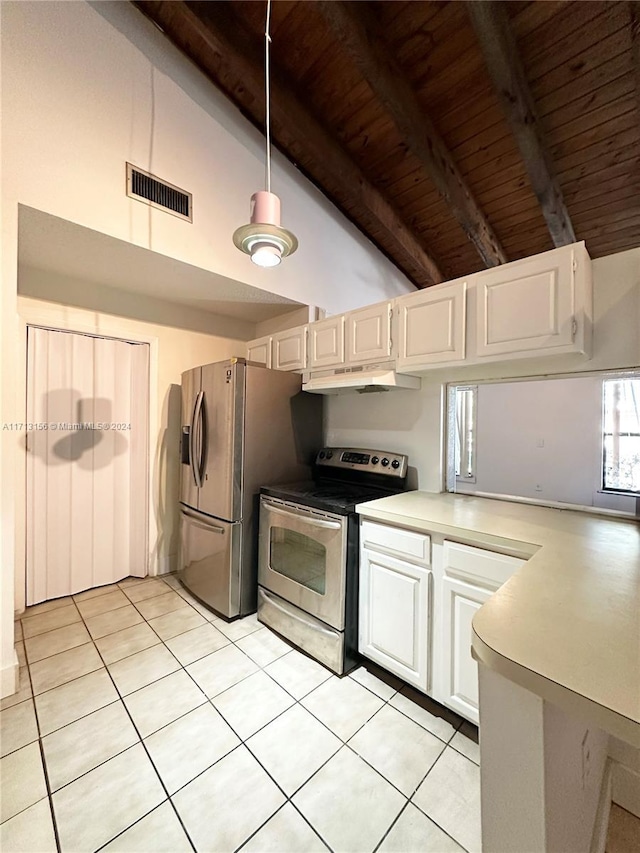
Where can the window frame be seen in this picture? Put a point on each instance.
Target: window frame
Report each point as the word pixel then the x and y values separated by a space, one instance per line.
pixel 604 488
pixel 452 394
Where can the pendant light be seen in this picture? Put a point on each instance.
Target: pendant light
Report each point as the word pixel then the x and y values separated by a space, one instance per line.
pixel 263 238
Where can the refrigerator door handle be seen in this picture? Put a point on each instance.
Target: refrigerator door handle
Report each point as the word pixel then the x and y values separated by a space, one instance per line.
pixel 194 440
pixel 195 521
pixel 203 437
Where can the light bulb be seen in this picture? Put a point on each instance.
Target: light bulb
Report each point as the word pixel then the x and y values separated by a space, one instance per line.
pixel 266 255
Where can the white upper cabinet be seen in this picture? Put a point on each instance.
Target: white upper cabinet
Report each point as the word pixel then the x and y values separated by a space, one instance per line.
pixel 289 349
pixel 259 351
pixel 326 343
pixel 282 351
pixel 432 326
pixel 537 306
pixel 368 334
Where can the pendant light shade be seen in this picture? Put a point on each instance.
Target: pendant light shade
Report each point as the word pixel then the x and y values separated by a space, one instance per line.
pixel 263 238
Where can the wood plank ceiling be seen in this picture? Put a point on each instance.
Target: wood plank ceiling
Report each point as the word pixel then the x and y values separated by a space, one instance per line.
pixel 455 135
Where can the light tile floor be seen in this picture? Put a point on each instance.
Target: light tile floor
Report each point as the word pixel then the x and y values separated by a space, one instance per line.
pixel 624 831
pixel 146 723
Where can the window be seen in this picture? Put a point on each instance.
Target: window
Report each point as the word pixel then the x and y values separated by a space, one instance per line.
pixel 621 435
pixel 465 431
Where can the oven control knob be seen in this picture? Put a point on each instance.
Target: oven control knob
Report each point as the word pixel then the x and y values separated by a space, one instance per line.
pixel 385 462
pixel 321 454
pixel 395 464
pixel 375 460
pixel 329 454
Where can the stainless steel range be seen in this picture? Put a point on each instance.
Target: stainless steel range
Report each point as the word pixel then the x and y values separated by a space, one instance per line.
pixel 308 550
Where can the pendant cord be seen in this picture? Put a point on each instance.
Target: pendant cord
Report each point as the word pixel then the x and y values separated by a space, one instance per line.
pixel 267 40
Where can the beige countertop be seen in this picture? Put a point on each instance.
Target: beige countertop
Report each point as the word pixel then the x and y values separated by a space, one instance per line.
pixel 567 624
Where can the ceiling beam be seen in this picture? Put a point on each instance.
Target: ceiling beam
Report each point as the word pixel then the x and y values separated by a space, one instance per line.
pixel 357 33
pixel 500 50
pixel 232 58
pixel 634 11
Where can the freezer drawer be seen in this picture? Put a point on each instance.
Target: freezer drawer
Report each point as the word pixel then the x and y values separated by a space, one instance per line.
pixel 211 561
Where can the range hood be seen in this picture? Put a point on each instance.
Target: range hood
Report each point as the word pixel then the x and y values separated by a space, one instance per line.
pixel 364 380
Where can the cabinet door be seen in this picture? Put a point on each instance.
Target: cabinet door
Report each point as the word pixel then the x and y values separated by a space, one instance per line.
pixel 289 349
pixel 527 306
pixel 394 613
pixel 326 342
pixel 460 601
pixel 432 326
pixel 259 351
pixel 368 334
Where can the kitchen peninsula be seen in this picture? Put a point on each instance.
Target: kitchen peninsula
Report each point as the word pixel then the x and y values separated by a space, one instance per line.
pixel 558 647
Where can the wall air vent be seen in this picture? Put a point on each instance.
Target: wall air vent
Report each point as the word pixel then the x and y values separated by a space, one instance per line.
pixel 146 187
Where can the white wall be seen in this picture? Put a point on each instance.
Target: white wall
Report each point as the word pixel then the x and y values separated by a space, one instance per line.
pixel 89 86
pixel 412 421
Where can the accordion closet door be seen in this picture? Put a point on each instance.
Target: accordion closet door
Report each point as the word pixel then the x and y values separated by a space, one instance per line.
pixel 87 457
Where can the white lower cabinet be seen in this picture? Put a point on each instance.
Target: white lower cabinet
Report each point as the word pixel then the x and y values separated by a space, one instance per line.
pixel 466 577
pixel 395 608
pixel 459 684
pixel 418 594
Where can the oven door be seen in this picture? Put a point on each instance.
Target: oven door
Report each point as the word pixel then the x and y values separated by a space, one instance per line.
pixel 302 558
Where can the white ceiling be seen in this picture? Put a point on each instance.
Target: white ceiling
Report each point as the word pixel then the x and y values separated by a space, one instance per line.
pixel 49 243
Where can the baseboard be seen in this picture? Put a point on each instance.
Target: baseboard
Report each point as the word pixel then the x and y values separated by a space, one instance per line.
pixel 626 788
pixel 9 677
pixel 601 823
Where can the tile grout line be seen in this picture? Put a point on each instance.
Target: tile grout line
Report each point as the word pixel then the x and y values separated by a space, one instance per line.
pixel 45 769
pixel 243 741
pixel 144 746
pixel 119 699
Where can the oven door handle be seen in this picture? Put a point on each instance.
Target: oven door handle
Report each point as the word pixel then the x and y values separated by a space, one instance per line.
pixel 314 522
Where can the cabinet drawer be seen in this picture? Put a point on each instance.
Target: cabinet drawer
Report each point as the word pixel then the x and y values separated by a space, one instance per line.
pixel 397 541
pixel 487 567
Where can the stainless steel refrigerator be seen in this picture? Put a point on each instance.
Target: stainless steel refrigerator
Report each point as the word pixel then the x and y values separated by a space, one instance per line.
pixel 244 426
